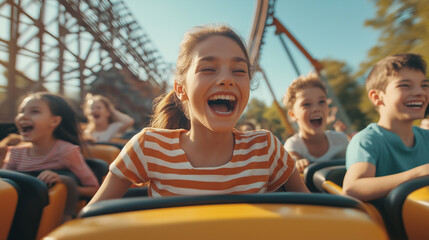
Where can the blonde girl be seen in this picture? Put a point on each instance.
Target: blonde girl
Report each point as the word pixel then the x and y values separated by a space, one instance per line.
pixel 104 120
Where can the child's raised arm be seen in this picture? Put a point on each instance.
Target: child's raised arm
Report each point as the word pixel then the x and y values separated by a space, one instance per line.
pixel 112 187
pixel 300 162
pixel 360 181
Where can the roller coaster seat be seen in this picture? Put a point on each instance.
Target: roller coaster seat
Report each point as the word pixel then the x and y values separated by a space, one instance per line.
pixel 53 213
pixel 407 210
pixel 313 167
pixel 9 194
pixel 32 200
pixel 253 216
pixel 99 167
pixel 107 153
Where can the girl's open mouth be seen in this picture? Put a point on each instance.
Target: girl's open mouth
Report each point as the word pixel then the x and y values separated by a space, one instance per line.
pixel 26 129
pixel 316 122
pixel 222 104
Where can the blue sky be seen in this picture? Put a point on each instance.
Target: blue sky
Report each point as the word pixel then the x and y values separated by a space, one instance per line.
pixel 326 28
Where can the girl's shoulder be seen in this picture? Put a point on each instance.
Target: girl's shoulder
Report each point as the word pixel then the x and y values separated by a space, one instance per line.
pixel 20 147
pixel 159 133
pixel 336 135
pixel 251 133
pixel 254 136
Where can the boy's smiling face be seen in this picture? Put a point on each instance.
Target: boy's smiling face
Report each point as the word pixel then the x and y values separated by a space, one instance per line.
pixel 405 98
pixel 310 110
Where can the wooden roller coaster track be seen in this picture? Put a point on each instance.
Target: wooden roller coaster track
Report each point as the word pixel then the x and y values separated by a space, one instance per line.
pixel 64 46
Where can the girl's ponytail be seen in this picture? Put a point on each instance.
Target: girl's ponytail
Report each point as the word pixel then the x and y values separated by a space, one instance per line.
pixel 169 113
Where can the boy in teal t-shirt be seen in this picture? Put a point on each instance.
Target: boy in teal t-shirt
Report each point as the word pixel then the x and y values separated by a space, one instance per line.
pixel 391 152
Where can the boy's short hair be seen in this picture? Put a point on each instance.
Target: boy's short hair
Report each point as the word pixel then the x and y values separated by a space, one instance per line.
pixel 302 82
pixel 391 65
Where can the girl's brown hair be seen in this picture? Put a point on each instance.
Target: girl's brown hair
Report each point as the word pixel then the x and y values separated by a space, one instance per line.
pixel 168 111
pixel 68 129
pixel 302 82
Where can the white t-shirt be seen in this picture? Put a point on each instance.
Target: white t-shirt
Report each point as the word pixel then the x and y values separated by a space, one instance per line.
pixel 337 141
pixel 107 134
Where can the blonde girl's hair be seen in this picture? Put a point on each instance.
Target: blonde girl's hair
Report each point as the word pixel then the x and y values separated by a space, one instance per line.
pixel 168 111
pixel 312 80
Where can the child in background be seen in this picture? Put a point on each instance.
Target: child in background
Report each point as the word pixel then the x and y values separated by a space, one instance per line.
pixel 192 147
pixel 247 126
pixel 48 124
pixel 104 120
pixel 307 104
pixel 392 151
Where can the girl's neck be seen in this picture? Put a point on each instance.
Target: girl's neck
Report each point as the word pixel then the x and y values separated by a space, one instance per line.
pixel 207 148
pixel 317 144
pixel 404 129
pixel 101 126
pixel 42 148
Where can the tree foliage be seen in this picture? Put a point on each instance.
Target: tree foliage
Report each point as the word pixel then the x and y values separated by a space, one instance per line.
pixel 404 26
pixel 264 117
pixel 347 89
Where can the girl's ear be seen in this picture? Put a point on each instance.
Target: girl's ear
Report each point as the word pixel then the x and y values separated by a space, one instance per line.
pixel 56 120
pixel 291 115
pixel 180 91
pixel 376 97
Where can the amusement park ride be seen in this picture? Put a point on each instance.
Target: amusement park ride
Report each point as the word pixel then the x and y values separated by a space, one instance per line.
pixel 77 46
pixel 96 46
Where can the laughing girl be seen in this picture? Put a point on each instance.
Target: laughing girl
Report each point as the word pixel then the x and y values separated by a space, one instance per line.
pixel 192 147
pixel 48 124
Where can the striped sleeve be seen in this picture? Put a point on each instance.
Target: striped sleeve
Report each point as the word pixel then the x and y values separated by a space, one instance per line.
pixel 74 161
pixel 281 164
pixel 130 163
pixel 8 163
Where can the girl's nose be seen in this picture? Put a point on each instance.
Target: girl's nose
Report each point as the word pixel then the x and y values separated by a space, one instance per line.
pixel 315 109
pixel 226 79
pixel 20 116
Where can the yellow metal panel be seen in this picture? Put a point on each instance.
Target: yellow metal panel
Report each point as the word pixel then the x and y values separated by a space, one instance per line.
pixel 227 221
pixel 8 202
pixel 108 153
pixel 53 213
pixel 415 214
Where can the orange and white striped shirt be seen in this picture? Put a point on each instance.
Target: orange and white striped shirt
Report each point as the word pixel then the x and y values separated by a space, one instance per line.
pixel 259 164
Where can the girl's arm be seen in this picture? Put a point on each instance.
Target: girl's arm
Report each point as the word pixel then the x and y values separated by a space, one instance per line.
pixel 112 187
pixel 87 191
pixel 295 183
pixel 360 181
pixel 126 120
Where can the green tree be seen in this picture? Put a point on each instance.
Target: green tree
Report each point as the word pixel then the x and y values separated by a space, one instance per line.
pixel 347 90
pixel 404 26
pixel 272 122
pixel 255 110
pixel 265 117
